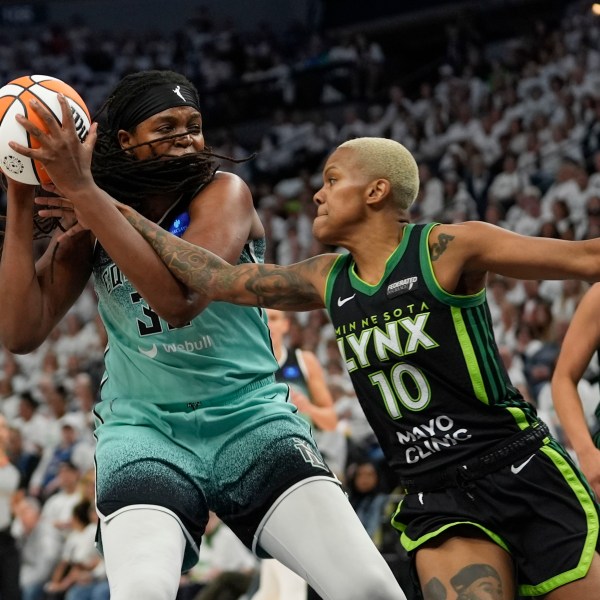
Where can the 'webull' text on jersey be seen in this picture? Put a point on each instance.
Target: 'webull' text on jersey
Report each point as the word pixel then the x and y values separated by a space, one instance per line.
pixel 221 352
pixel 423 362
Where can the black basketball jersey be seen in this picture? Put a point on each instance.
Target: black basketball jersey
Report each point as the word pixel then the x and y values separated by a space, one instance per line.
pixel 423 362
pixel 292 371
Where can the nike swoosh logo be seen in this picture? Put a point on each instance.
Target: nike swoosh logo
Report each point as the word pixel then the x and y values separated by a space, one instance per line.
pixel 149 353
pixel 342 302
pixel 518 469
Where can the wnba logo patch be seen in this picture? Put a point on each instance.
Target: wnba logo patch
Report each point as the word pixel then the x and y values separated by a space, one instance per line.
pixel 180 224
pixel 310 454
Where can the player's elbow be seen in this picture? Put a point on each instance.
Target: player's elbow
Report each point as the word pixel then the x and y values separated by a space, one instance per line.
pixel 175 322
pixel 18 344
pixel 180 314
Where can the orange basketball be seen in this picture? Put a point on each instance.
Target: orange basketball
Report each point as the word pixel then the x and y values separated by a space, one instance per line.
pixel 14 100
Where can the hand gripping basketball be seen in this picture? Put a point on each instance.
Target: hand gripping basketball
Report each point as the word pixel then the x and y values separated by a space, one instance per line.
pixel 15 99
pixel 66 159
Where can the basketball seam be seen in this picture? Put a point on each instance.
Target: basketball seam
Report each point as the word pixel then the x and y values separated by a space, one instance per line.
pixel 15 103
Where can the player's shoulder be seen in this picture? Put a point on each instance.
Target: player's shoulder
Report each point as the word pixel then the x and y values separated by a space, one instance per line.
pixel 225 189
pixel 464 232
pixel 463 226
pixel 227 178
pixel 322 262
pixel 225 181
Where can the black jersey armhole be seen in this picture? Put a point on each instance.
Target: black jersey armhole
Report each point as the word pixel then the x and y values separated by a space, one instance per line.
pixel 334 271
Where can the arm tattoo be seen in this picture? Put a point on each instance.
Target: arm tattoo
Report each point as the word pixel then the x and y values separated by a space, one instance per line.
pixel 440 246
pixel 434 590
pixel 271 286
pixel 280 287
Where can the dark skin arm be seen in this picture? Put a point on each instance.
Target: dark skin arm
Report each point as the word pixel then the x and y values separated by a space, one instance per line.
pixel 222 217
pixel 295 287
pixel 463 254
pixel 581 341
pixel 34 296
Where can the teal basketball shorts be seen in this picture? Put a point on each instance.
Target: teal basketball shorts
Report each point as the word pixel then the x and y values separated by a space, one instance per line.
pixel 233 456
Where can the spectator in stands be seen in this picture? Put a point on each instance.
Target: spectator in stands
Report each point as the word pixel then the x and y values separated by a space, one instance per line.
pixel 225 569
pixel 524 217
pixel 592 227
pixel 58 508
pixel 70 449
pixel 9 483
pixel 367 495
pixel 429 204
pixel 32 424
pixel 9 398
pixel 478 179
pixel 24 461
pixel 507 184
pixel 78 558
pixel 39 546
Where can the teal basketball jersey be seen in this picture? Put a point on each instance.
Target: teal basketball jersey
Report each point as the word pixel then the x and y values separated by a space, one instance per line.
pixel 223 350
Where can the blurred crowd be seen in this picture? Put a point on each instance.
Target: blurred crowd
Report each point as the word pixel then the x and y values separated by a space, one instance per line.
pixel 507 133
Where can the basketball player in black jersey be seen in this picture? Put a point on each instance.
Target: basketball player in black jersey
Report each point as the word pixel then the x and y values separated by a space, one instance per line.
pixel 488 491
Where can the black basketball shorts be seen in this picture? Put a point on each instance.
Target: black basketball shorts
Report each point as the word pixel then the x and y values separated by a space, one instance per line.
pixel 540 509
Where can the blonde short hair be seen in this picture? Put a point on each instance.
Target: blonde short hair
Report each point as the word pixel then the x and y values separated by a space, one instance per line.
pixel 388 159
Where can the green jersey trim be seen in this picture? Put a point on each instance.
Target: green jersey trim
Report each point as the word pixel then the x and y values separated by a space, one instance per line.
pixel 519 416
pixel 489 349
pixel 466 344
pixel 390 264
pixel 476 318
pixel 412 544
pixel 432 283
pixel 474 335
pixel 334 271
pixel 589 548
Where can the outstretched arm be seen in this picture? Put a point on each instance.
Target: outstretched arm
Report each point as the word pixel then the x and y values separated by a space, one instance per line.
pixel 580 343
pixel 462 255
pixel 296 287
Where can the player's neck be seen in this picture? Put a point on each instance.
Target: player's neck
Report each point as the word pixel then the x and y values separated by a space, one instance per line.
pixel 156 207
pixel 372 252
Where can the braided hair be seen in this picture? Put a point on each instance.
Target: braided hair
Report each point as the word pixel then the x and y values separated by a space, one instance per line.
pixel 125 177
pixel 129 179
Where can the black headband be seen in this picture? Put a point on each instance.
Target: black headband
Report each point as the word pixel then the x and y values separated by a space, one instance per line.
pixel 155 100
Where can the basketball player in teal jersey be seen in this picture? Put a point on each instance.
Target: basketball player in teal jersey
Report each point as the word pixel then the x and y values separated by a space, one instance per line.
pixel 492 500
pixel 191 417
